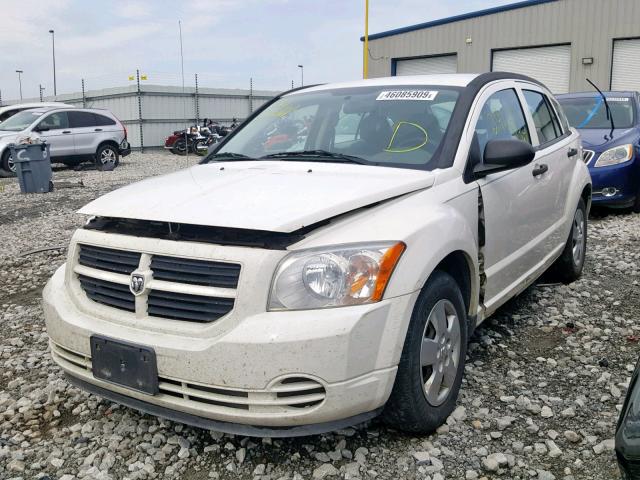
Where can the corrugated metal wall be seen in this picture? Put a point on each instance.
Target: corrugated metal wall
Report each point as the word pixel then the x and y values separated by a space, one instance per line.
pixel 165 108
pixel 590 26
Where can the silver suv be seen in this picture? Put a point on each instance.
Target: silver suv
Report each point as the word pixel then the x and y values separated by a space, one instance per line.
pixel 75 135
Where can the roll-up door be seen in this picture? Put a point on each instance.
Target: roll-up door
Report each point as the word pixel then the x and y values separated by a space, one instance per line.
pixel 427 65
pixel 549 65
pixel 625 71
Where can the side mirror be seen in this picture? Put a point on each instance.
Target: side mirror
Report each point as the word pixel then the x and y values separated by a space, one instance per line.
pixel 41 129
pixel 502 155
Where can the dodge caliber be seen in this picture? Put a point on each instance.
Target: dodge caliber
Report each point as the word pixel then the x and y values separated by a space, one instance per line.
pixel 328 262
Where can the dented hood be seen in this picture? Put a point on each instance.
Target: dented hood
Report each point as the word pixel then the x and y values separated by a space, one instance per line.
pixel 275 196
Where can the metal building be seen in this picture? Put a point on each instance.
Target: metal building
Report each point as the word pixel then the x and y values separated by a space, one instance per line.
pixel 155 111
pixel 559 42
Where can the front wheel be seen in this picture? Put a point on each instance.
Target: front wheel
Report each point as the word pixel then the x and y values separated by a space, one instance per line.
pixel 107 157
pixel 432 363
pixel 568 267
pixel 179 148
pixel 6 162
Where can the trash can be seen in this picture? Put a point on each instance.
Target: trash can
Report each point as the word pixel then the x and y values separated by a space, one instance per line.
pixel 33 167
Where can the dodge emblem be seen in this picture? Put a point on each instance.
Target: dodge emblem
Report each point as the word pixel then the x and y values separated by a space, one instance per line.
pixel 136 284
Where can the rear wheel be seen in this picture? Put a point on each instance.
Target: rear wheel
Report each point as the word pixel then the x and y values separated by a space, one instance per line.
pixel 179 148
pixel 432 363
pixel 568 267
pixel 6 162
pixel 107 157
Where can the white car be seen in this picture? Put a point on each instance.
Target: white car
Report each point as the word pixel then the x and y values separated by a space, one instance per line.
pixel 10 110
pixel 329 261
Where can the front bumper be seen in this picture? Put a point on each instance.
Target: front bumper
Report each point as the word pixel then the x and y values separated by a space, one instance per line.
pixel 349 354
pixel 616 185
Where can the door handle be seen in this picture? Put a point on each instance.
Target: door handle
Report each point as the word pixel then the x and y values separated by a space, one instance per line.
pixel 572 152
pixel 97 129
pixel 66 131
pixel 540 169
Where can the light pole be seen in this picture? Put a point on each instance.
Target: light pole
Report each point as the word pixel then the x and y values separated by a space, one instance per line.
pixel 53 46
pixel 301 67
pixel 42 89
pixel 19 72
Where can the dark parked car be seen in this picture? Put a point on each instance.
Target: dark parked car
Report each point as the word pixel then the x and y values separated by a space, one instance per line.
pixel 611 150
pixel 628 431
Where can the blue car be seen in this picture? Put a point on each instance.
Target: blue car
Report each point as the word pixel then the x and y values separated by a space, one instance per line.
pixel 612 152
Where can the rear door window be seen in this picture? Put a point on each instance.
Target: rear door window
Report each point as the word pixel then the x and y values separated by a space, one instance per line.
pixel 544 117
pixel 81 119
pixel 103 121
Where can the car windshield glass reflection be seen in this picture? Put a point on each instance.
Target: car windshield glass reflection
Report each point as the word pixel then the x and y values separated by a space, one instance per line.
pixel 389 126
pixel 591 112
pixel 20 121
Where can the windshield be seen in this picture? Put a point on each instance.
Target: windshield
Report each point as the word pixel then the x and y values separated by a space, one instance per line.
pixel 591 112
pixel 390 126
pixel 20 120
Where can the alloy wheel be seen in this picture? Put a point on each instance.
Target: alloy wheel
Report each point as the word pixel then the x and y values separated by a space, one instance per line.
pixel 577 241
pixel 440 352
pixel 108 157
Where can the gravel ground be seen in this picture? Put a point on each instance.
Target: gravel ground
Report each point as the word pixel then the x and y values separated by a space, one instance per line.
pixel 544 383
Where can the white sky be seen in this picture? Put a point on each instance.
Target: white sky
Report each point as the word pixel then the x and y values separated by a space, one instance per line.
pixel 225 41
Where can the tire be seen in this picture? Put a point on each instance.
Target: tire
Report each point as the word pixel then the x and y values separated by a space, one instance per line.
pixel 200 147
pixel 568 267
pixel 416 404
pixel 179 148
pixel 6 164
pixel 107 157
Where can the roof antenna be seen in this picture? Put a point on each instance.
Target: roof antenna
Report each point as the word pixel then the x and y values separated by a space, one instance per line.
pixel 608 110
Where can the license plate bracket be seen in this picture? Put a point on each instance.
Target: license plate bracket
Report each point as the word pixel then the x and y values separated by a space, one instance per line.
pixel 125 364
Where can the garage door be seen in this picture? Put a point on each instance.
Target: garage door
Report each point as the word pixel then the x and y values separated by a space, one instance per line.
pixel 550 65
pixel 427 66
pixel 625 71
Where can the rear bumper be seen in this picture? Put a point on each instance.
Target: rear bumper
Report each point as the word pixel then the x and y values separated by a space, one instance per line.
pixel 125 148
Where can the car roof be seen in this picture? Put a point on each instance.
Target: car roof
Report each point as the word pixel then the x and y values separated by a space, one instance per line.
pixel 25 106
pixel 450 80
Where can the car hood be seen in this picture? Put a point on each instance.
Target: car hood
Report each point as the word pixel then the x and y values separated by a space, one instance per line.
pixel 274 196
pixel 7 136
pixel 594 138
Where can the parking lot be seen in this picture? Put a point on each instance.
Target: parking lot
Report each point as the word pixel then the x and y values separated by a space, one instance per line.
pixel 544 383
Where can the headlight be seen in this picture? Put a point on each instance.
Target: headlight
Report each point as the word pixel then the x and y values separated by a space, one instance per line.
pixel 334 276
pixel 615 155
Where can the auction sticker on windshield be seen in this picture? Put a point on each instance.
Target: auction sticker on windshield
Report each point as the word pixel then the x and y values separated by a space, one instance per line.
pixel 427 95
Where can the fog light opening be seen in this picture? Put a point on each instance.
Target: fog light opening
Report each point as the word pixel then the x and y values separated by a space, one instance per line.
pixel 609 191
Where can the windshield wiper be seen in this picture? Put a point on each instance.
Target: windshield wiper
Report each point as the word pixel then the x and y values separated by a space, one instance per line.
pixel 608 110
pixel 225 157
pixel 318 156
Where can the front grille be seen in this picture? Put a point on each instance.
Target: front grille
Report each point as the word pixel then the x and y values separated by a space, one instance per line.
pixel 196 280
pixel 195 272
pixel 587 155
pixel 181 306
pixel 112 294
pixel 108 259
pixel 292 394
